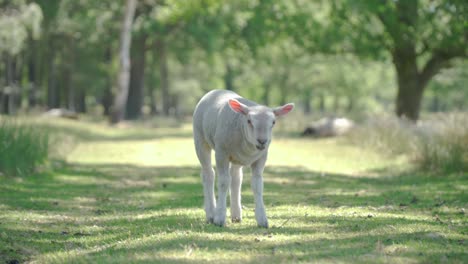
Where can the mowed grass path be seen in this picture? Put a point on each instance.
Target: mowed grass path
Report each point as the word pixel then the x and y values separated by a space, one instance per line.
pixel 134 195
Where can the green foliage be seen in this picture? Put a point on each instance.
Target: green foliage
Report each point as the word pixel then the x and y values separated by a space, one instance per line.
pixel 18 20
pixel 448 92
pixel 22 148
pixel 270 51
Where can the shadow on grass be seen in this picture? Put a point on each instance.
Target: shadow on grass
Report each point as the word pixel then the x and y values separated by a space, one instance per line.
pixel 115 213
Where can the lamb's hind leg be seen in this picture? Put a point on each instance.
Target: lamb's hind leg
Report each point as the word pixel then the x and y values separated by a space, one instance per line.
pixel 222 166
pixel 236 183
pixel 208 177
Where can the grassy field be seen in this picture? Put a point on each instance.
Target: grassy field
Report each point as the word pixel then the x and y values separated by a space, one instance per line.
pixel 133 194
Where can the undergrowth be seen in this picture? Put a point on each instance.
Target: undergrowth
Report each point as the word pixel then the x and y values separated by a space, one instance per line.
pixel 22 148
pixel 439 143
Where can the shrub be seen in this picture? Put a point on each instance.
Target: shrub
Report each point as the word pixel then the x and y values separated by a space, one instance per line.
pixel 22 148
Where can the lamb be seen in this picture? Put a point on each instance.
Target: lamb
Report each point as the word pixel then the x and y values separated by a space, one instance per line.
pixel 239 131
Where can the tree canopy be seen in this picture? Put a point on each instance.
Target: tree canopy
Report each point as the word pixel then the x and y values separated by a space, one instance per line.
pixel 332 56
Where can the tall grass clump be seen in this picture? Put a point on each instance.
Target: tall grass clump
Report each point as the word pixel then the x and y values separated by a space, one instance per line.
pixel 439 143
pixel 22 148
pixel 386 134
pixel 443 143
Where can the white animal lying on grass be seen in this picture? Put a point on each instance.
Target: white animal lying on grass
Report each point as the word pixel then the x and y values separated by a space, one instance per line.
pixel 239 131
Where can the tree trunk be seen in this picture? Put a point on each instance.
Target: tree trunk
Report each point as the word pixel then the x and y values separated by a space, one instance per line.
pixel 229 77
pixel 80 101
pixel 32 76
pixel 283 87
pixel 164 76
pixel 307 97
pixel 7 103
pixel 153 107
pixel 53 95
pixel 118 111
pixel 435 103
pixel 137 78
pixel 408 101
pixel 321 104
pixel 106 97
pixel 266 93
pixel 68 77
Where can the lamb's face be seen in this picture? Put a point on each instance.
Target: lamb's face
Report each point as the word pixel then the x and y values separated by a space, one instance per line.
pixel 259 126
pixel 259 121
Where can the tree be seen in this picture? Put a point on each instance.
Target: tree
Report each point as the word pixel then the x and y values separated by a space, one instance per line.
pixel 421 37
pixel 118 111
pixel 19 22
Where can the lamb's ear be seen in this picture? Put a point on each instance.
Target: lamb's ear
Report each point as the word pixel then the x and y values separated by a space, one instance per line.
pixel 282 110
pixel 238 107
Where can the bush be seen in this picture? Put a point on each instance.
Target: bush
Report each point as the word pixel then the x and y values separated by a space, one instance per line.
pixel 439 143
pixel 22 148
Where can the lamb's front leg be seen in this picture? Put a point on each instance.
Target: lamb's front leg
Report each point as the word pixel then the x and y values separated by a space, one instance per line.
pixel 257 187
pixel 236 185
pixel 224 179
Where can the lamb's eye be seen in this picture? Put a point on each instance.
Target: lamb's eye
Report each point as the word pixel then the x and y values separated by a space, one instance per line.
pixel 249 121
pixel 274 122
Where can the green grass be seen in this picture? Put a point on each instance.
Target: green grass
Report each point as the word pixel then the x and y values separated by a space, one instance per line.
pixel 23 147
pixel 133 195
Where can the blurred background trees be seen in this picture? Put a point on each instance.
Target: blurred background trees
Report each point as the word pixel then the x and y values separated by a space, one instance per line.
pixel 330 57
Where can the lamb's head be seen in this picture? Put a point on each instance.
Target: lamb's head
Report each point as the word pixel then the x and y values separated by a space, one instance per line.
pixel 258 121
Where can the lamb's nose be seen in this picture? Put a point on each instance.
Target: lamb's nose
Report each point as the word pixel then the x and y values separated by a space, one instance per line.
pixel 262 141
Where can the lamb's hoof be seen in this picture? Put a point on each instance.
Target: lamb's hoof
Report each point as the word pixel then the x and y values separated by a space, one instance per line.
pixel 219 222
pixel 263 224
pixel 209 220
pixel 236 220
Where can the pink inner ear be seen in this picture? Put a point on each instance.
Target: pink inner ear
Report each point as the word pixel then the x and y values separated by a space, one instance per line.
pixel 287 109
pixel 235 105
pixel 284 110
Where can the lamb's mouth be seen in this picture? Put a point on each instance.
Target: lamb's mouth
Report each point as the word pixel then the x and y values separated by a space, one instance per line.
pixel 260 147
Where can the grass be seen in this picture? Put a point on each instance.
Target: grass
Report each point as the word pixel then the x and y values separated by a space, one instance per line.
pixel 22 148
pixel 133 195
pixel 438 143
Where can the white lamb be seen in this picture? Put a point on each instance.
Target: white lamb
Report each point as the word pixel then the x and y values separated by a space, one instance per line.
pixel 239 131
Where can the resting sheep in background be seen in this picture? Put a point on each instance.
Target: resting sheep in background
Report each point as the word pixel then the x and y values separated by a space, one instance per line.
pixel 239 131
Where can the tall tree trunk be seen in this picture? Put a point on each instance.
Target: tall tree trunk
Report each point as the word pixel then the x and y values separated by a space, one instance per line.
pixel 435 103
pixel 32 75
pixel 153 107
pixel 106 97
pixel 307 97
pixel 80 101
pixel 118 111
pixel 229 77
pixel 321 104
pixel 164 75
pixel 408 101
pixel 266 93
pixel 283 87
pixel 53 95
pixel 68 77
pixel 9 91
pixel 137 78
